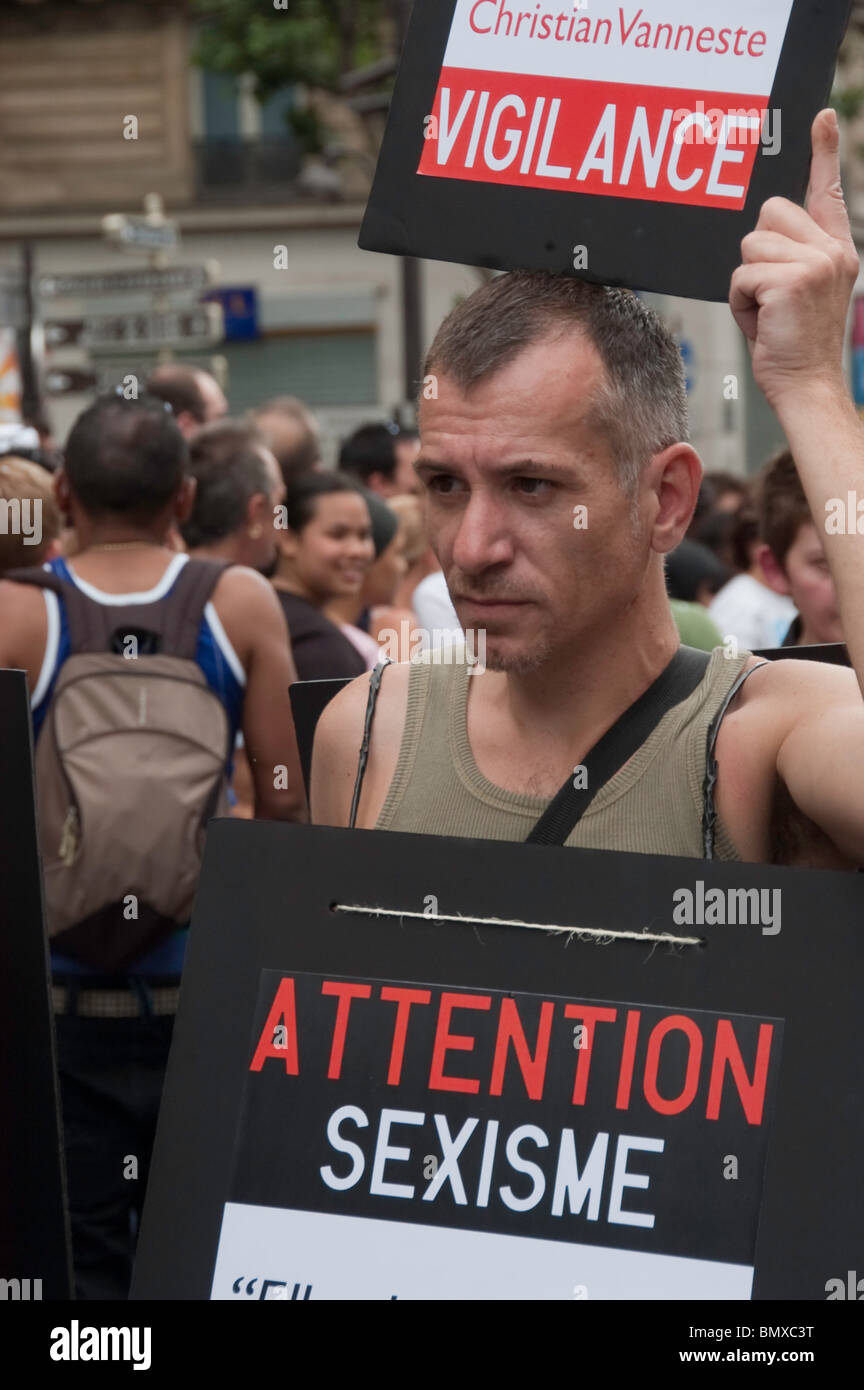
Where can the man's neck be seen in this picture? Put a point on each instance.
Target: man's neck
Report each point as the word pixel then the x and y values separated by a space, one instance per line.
pixel 219 550
pixel 91 535
pixel 571 700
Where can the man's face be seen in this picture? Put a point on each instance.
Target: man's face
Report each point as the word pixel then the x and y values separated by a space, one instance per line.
pixel 503 468
pixel 269 556
pixel 812 588
pixel 215 404
pixel 286 433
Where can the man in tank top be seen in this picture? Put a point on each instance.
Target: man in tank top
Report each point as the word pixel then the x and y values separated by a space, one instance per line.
pixel 557 476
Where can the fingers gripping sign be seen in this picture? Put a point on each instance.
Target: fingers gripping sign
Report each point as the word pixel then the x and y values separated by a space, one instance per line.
pixel 790 295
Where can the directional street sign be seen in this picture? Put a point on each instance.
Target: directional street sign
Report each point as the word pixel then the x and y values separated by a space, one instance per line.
pixel 63 332
pixel 199 325
pixel 144 281
pixel 66 381
pixel 140 233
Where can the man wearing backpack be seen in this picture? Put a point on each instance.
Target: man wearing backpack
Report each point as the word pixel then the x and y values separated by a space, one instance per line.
pixel 143 666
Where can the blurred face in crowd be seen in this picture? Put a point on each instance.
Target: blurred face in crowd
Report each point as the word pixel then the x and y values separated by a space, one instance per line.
pixel 503 466
pixel 405 479
pixel 262 529
pixel 331 556
pixel 387 572
pixel 806 578
pixel 215 404
pixel 729 502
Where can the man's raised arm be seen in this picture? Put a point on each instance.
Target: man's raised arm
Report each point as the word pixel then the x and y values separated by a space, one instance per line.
pixel 791 299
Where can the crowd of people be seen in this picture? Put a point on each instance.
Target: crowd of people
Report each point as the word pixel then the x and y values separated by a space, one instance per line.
pixel 189 568
pixel 318 572
pixel 166 516
pixel 346 551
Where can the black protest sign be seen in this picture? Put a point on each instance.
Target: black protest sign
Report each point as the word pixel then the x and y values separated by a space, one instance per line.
pixel 630 144
pixel 309 699
pixel 362 1105
pixel 34 1246
pixel 498 1143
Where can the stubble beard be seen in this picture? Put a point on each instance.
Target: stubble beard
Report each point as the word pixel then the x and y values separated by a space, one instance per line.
pixel 519 663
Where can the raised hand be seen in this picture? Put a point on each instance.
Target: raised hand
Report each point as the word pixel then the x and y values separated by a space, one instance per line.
pixel 790 296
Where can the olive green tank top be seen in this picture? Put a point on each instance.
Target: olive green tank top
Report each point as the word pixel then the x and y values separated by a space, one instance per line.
pixel 652 805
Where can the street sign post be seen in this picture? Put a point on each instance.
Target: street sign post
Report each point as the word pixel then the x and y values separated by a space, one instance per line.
pixel 167 280
pixel 199 325
pixel 67 381
pixel 139 233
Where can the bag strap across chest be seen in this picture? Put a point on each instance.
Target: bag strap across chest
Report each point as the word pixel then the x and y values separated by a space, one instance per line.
pixel 626 736
pixel 678 680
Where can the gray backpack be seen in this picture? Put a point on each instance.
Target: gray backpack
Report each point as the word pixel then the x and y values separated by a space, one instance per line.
pixel 130 766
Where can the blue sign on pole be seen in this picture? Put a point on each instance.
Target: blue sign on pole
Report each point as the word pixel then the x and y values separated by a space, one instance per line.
pixel 240 307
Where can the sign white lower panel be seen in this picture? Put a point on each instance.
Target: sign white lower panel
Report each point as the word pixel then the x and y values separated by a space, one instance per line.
pixel 273 1253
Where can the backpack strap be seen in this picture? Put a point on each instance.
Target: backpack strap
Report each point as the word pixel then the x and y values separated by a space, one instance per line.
pixel 184 606
pixel 176 618
pixel 679 679
pixel 374 686
pixel 709 810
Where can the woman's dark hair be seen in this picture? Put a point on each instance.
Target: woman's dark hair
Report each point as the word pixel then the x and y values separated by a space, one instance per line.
pixel 301 497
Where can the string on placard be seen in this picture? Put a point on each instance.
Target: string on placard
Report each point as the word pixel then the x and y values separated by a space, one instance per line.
pixel 601 935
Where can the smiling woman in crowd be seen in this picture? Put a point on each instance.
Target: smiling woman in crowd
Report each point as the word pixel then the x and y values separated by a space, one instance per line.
pixel 326 550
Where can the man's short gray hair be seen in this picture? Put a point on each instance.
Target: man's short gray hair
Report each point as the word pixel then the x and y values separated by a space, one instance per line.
pixel 641 407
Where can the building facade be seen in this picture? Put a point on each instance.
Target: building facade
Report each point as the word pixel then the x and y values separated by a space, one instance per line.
pixel 101 104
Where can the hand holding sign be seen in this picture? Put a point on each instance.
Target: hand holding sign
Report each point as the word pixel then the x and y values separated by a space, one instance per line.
pixel 791 294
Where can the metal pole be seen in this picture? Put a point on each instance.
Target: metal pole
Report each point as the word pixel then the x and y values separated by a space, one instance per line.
pixel 30 400
pixel 412 288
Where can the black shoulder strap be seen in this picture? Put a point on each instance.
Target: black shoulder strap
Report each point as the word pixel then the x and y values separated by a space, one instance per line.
pixel 709 811
pixel 679 679
pixel 374 686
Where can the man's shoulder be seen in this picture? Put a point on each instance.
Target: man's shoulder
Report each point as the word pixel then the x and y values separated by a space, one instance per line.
pixel 19 598
pixel 344 717
pixel 339 735
pixel 241 595
pixel 786 690
pixel 787 675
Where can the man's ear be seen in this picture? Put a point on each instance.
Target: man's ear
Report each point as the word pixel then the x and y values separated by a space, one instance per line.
pixel 63 493
pixel 775 575
pixel 673 476
pixel 259 511
pixel 187 424
pixel 185 500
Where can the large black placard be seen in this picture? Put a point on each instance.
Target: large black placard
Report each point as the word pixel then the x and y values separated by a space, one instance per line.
pixel 34 1248
pixel 517 133
pixel 624 1119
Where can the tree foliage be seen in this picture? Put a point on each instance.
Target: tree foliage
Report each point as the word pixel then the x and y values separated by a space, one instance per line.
pixel 313 42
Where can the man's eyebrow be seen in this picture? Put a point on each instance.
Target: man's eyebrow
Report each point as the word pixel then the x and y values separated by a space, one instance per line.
pixel 521 468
